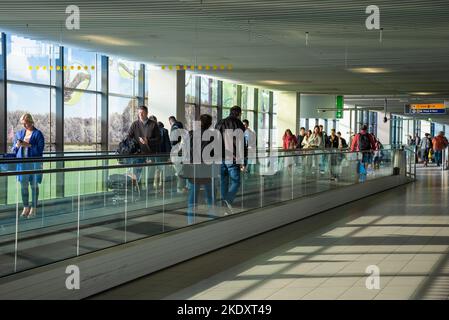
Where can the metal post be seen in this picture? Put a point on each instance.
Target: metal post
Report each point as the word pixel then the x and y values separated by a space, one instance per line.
pixel 3 116
pixel 219 100
pixel 104 103
pixel 59 142
pixel 3 110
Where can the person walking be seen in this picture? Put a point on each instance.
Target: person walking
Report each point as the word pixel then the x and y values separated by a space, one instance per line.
pixel 232 133
pixel 439 143
pixel 199 174
pixel 426 145
pixel 364 142
pixel 29 143
pixel 175 138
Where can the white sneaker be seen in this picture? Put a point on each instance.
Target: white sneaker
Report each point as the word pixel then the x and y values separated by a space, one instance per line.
pixel 228 208
pixel 25 212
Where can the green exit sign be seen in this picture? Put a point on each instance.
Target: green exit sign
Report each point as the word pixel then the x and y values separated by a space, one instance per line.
pixel 339 105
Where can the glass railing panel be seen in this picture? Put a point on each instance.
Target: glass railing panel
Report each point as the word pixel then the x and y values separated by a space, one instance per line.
pixel 102 216
pixel 50 235
pixel 250 191
pixel 81 210
pixel 167 197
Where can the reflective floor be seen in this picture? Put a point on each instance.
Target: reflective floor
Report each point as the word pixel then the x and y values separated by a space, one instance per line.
pixel 403 234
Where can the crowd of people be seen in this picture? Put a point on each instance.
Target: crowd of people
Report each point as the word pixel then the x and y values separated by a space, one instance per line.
pixel 150 137
pixel 366 143
pixel 429 149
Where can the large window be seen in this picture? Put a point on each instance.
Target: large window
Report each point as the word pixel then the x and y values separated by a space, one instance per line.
pixel 31 74
pixel 123 98
pixel 40 102
pixel 247 105
pixel 30 60
pixel 122 113
pixel 82 100
pixel 229 95
pixel 190 88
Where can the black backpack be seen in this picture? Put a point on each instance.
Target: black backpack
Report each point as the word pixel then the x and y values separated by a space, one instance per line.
pixel 128 146
pixel 364 142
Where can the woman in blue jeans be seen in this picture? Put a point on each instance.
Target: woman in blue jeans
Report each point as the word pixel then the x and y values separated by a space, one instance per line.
pixel 199 174
pixel 29 143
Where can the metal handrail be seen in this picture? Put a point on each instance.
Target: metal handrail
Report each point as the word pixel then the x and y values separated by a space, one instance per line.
pixel 150 164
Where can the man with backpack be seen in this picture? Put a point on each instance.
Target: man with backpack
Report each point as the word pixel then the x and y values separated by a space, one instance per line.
pixel 365 143
pixel 439 143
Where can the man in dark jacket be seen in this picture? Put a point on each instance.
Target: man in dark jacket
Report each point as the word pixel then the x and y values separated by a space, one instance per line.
pixel 147 133
pixel 300 137
pixel 165 145
pixel 175 124
pixel 232 133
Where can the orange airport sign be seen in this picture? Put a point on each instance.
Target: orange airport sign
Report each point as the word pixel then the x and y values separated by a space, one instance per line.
pixel 424 106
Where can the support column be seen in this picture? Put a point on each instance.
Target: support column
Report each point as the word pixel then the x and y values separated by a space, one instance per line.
pixel 141 85
pixel 59 142
pixel 270 121
pixel 288 114
pixel 256 117
pixel 104 103
pixel 3 116
pixel 220 100
pixel 3 111
pixel 298 114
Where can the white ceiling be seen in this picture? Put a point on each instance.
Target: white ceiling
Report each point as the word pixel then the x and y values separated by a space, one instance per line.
pixel 264 40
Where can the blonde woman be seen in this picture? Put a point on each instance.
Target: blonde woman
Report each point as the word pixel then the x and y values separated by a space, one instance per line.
pixel 29 143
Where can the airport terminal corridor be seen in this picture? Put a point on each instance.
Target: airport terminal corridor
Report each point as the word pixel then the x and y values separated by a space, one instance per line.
pixel 403 231
pixel 224 150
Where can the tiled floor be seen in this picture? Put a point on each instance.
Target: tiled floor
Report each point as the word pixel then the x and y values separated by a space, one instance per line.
pixel 402 233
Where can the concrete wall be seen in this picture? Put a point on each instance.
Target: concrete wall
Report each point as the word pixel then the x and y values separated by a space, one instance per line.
pixel 167 94
pixel 287 114
pixel 311 102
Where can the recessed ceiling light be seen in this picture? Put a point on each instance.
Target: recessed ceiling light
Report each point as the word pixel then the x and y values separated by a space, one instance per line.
pixel 107 40
pixel 369 70
pixel 276 82
pixel 422 93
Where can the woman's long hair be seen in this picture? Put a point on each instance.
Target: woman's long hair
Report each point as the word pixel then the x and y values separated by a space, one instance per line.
pixel 285 133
